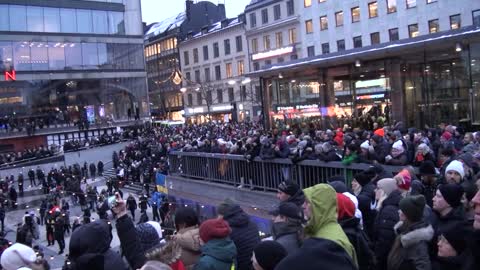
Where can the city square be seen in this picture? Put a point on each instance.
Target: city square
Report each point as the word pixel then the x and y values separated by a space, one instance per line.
pixel 246 134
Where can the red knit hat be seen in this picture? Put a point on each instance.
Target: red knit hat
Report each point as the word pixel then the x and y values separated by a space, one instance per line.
pixel 380 132
pixel 404 180
pixel 345 207
pixel 447 135
pixel 214 229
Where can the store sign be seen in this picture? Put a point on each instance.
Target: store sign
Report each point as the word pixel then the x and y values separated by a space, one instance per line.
pixel 371 96
pixel 272 53
pixel 10 75
pixel 308 106
pixel 222 108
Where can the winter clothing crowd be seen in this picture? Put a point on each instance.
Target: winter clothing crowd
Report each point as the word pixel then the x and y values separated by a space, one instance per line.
pixel 28 154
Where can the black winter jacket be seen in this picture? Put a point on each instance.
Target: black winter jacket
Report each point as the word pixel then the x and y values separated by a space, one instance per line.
pixel 245 236
pixel 318 253
pixel 365 198
pixel 359 240
pixel 129 242
pixel 386 219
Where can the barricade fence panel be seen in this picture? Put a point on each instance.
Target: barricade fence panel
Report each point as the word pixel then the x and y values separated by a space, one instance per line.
pixel 261 174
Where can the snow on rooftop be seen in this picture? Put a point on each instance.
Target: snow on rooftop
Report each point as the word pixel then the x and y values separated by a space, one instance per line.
pixel 166 24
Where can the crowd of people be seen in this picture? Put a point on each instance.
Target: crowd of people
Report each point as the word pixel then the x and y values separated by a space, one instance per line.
pixel 28 154
pixel 94 141
pixel 426 216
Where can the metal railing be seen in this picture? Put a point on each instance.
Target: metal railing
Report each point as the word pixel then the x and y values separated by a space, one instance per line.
pixel 57 157
pixel 260 174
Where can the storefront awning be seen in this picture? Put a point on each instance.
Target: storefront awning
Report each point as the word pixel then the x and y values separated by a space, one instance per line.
pixel 389 49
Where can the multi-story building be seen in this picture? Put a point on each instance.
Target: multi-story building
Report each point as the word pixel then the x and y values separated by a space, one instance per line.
pixel 163 59
pixel 70 61
pixel 407 60
pixel 214 62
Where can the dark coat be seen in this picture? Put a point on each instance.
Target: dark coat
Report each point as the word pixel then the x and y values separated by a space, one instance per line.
pixel 410 250
pixel 318 253
pixel 380 151
pixel 401 160
pixel 287 235
pixel 329 156
pixel 131 203
pixel 359 240
pixel 456 218
pixel 365 199
pixel 298 198
pixel 129 242
pixel 244 234
pixel 267 152
pixel 90 248
pixel 384 235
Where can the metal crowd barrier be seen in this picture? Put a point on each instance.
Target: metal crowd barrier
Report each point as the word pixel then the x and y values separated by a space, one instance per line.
pixel 261 174
pixel 58 157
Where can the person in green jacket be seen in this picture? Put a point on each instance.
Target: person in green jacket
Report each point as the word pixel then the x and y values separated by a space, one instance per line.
pixel 218 250
pixel 350 154
pixel 320 212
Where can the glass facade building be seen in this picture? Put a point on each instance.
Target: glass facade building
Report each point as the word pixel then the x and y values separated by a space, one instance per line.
pixel 73 60
pixel 421 82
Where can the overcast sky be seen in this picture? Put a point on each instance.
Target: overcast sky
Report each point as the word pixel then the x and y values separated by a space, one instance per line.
pixel 156 10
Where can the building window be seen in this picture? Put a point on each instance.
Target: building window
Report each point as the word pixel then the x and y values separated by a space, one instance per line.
pixel 207 74
pixel 325 48
pixel 243 93
pixel 266 43
pixel 254 45
pixel 339 18
pixel 199 99
pixel 309 26
pixel 357 42
pixel 268 62
pixel 433 26
pixel 195 55
pixel 373 10
pixel 476 17
pixel 375 38
pixel 253 20
pixel 355 14
pixel 240 67
pixel 216 50
pixel 292 36
pixel 239 43
pixel 231 96
pixel 413 30
pixel 311 51
pixel 264 16
pixel 290 8
pixel 190 99
pixel 220 95
pixel 279 39
pixel 276 12
pixel 341 45
pixel 187 75
pixel 256 66
pixel 218 73
pixel 186 59
pixel 197 76
pixel 205 52
pixel 294 56
pixel 226 46
pixel 411 3
pixel 209 97
pixel 280 60
pixel 391 6
pixel 455 21
pixel 323 23
pixel 307 3
pixel 228 70
pixel 393 33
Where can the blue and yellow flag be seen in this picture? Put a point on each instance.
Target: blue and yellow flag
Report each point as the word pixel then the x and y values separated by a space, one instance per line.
pixel 161 182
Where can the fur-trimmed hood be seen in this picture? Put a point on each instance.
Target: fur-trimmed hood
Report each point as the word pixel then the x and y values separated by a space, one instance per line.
pixel 414 234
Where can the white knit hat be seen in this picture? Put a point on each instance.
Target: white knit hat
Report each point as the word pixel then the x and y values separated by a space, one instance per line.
pixel 18 256
pixel 456 166
pixel 365 144
pixel 398 145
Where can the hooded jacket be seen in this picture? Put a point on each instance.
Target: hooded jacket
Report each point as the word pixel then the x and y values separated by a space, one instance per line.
pixel 90 248
pixel 217 254
pixel 318 253
pixel 410 250
pixel 323 222
pixel 189 240
pixel 360 242
pixel 244 234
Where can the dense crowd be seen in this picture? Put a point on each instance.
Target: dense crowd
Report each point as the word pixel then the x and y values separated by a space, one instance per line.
pixel 28 154
pixel 420 218
pixel 94 141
